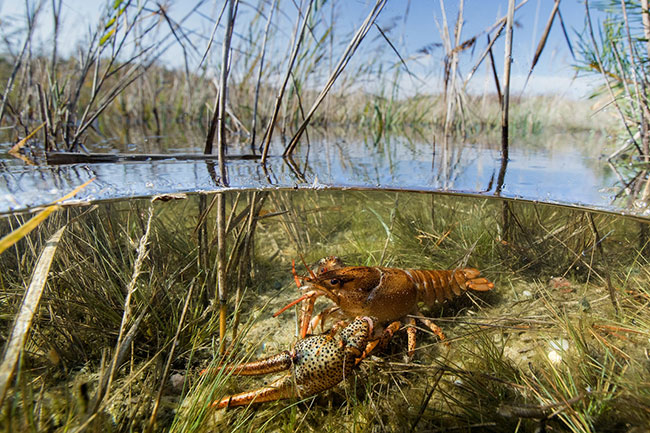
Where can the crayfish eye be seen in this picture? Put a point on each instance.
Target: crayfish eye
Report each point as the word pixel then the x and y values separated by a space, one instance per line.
pixel 334 281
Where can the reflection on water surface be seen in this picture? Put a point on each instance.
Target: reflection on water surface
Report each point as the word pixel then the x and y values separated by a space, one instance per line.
pixel 560 172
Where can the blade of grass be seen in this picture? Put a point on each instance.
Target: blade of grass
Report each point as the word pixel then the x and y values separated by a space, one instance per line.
pixel 345 58
pixel 259 73
pixel 27 311
pixel 30 225
pixel 298 37
pixel 493 67
pixel 21 143
pixel 156 405
pixel 566 34
pixel 500 25
pixel 542 41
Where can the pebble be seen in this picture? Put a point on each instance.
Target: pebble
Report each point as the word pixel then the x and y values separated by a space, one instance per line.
pixel 558 347
pixel 176 380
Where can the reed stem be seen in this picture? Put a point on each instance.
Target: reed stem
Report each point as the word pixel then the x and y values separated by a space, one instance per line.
pixel 507 62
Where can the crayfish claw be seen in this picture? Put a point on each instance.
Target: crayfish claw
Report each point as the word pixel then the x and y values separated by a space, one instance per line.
pixel 281 388
pixel 316 364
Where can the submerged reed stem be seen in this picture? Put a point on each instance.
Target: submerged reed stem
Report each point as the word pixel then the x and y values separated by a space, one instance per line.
pixel 222 287
pixel 28 309
pixel 142 251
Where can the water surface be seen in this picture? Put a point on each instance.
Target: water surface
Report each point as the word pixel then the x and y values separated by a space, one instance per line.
pixel 561 170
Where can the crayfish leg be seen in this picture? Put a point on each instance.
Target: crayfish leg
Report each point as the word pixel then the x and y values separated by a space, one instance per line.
pixel 322 318
pixel 433 327
pixel 306 311
pixel 410 332
pixel 381 342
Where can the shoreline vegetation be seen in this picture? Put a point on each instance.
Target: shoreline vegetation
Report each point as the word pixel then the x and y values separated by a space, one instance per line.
pixel 115 89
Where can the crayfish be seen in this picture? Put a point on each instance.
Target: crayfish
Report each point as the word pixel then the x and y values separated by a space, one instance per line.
pixel 385 294
pixel 370 294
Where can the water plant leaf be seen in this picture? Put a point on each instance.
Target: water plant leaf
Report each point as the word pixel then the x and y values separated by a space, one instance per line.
pixel 109 23
pixel 27 310
pixel 542 42
pixel 23 230
pixel 33 222
pixel 388 41
pixel 106 37
pixel 21 143
pixel 566 34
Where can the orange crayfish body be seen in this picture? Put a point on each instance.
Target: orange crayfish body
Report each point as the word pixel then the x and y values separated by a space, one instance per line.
pixel 389 294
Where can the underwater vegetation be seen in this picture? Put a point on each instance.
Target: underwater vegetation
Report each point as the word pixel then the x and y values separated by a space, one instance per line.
pixel 128 317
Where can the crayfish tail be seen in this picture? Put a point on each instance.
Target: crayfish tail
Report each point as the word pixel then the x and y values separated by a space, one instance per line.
pixel 438 286
pixel 281 388
pixel 480 284
pixel 473 281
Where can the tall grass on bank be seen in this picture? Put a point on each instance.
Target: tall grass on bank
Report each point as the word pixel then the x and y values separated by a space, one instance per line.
pixel 618 52
pixel 117 89
pixel 119 75
pixel 69 95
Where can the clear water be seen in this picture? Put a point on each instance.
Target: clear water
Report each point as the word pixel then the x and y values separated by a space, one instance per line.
pixel 551 318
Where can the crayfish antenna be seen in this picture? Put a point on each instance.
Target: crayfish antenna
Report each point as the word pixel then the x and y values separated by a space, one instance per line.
pixel 311 273
pixel 292 303
pixel 296 278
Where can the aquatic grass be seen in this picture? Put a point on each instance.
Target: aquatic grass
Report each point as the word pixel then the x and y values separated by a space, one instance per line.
pixel 495 374
pixel 24 318
pixel 433 237
pixel 194 411
pixel 66 343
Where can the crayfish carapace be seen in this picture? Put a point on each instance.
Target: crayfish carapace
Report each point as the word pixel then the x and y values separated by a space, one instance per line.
pixel 385 294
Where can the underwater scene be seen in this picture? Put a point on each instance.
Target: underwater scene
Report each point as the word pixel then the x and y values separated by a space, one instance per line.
pixel 534 317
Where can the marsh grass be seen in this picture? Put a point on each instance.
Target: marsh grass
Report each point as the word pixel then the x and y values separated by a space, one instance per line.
pixel 116 90
pixel 551 345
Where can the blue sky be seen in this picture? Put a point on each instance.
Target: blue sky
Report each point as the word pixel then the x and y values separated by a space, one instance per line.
pixel 409 32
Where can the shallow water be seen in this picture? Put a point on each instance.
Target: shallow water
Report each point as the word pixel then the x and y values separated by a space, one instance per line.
pixel 551 331
pixel 567 321
pixel 562 169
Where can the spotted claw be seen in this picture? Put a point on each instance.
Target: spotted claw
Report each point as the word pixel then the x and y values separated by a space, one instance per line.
pixel 316 363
